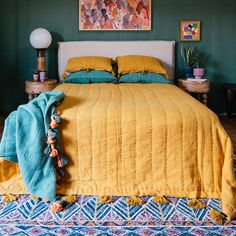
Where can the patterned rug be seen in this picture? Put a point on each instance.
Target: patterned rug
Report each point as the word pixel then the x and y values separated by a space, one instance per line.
pixel 87 217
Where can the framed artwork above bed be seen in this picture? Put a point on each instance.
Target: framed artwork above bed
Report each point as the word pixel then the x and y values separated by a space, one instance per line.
pixel 114 15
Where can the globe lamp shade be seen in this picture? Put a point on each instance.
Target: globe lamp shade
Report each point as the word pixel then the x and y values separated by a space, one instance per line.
pixel 40 39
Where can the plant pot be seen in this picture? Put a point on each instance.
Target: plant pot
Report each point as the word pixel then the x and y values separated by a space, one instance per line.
pixel 198 73
pixel 188 72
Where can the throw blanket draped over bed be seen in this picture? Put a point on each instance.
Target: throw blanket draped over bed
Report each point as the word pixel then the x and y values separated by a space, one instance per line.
pixel 144 139
pixel 24 139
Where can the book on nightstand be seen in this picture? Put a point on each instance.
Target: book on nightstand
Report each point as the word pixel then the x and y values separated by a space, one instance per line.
pixel 196 80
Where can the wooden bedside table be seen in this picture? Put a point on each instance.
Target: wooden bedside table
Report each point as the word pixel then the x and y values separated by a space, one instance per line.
pixel 230 94
pixel 197 88
pixel 34 88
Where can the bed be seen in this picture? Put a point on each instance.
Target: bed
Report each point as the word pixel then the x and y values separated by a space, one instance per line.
pixel 138 139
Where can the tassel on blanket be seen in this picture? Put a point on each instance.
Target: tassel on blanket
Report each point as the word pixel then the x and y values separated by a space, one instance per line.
pixel 10 198
pixel 135 200
pixel 70 199
pixel 58 176
pixel 61 204
pixel 52 149
pixel 58 206
pixel 60 172
pixel 53 152
pixel 52 134
pixel 47 150
pixel 195 203
pixel 61 161
pixel 105 200
pixel 58 186
pixel 34 198
pixel 51 137
pixel 217 216
pixel 55 120
pixel 161 200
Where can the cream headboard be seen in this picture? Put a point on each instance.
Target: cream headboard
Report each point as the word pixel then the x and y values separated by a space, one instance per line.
pixel 164 50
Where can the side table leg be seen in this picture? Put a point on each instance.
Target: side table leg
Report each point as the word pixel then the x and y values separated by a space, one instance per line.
pixel 204 99
pixel 30 97
pixel 199 95
pixel 36 95
pixel 229 102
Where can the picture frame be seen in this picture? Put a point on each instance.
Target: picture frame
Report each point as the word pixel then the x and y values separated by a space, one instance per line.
pixel 190 30
pixel 108 15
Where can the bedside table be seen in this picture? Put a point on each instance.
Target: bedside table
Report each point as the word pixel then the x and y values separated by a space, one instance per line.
pixel 34 88
pixel 230 94
pixel 197 88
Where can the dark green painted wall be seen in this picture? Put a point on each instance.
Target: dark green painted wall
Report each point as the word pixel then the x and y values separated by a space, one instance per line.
pixel 20 17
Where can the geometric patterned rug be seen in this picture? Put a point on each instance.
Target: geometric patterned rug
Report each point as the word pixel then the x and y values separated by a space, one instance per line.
pixel 87 217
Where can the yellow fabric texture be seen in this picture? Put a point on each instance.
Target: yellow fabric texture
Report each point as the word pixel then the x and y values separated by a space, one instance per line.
pixel 133 63
pixel 89 63
pixel 140 139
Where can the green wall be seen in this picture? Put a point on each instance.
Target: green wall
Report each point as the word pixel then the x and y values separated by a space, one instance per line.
pixel 60 17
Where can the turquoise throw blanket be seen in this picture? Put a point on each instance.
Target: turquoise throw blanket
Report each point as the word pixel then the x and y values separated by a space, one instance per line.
pixel 24 140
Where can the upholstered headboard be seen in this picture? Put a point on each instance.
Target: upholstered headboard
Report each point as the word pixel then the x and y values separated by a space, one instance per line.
pixel 163 50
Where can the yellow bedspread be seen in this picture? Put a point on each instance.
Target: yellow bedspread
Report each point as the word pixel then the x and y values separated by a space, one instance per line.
pixel 141 139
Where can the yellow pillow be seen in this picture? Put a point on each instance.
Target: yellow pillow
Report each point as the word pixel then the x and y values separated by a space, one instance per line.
pixel 89 63
pixel 132 64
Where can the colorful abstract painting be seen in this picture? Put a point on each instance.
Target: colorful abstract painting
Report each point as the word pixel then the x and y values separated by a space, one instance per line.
pixel 190 31
pixel 115 15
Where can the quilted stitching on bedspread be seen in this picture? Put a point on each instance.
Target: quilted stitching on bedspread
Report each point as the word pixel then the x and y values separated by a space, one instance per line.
pixel 144 139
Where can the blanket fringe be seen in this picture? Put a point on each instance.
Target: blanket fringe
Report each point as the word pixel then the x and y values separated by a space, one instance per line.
pixel 217 216
pixel 10 198
pixel 161 200
pixel 195 203
pixel 52 150
pixel 59 205
pixel 135 200
pixel 70 199
pixel 105 200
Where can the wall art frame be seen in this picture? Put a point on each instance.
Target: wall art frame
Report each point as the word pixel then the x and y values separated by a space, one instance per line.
pixel 190 30
pixel 119 15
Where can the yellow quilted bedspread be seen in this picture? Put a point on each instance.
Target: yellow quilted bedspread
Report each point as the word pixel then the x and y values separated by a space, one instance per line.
pixel 141 139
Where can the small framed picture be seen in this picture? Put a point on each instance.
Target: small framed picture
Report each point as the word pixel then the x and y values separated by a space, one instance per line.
pixel 190 30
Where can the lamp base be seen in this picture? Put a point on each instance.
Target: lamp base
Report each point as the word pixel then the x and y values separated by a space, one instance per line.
pixel 41 62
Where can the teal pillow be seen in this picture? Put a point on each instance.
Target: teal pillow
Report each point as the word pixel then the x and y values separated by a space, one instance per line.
pixel 144 78
pixel 87 77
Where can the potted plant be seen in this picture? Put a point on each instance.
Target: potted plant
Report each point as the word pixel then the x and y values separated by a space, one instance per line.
pixel 198 71
pixel 188 54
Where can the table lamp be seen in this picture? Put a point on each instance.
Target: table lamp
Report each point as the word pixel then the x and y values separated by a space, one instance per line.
pixel 41 39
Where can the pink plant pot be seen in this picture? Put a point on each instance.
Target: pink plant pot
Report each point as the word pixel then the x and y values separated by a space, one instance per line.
pixel 198 73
